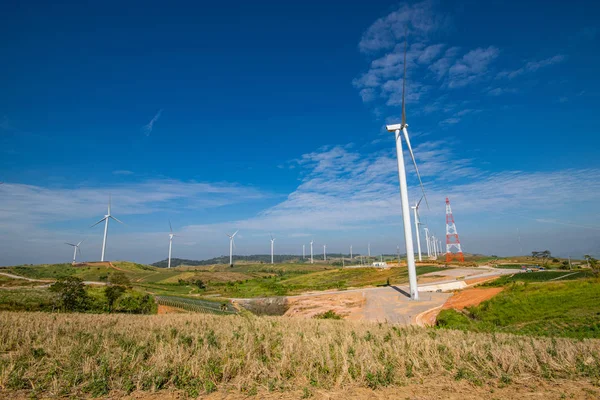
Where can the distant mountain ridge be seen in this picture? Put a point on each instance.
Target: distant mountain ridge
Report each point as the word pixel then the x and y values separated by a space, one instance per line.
pixel 257 258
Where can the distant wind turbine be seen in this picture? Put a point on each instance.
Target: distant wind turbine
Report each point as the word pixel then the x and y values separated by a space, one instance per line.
pixel 397 128
pixel 351 252
pixel 303 251
pixel 231 244
pixel 427 241
pixel 75 249
pixel 272 244
pixel 106 218
pixel 171 236
pixel 417 223
pixel 324 252
pixel 311 251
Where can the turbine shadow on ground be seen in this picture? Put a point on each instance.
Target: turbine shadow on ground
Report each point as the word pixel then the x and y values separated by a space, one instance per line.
pixel 397 289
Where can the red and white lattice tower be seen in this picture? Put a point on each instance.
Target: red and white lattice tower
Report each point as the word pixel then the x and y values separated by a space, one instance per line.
pixel 452 240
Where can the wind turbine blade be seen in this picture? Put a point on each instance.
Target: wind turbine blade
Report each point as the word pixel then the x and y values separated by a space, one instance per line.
pixel 70 244
pixel 80 242
pixel 170 227
pixel 404 79
pixel 109 195
pixel 235 233
pixel 116 220
pixel 102 220
pixel 230 237
pixel 412 155
pixel 419 203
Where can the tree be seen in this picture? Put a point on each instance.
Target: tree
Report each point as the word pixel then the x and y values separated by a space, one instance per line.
pixel 112 293
pixel 543 255
pixel 119 278
pixel 593 264
pixel 71 294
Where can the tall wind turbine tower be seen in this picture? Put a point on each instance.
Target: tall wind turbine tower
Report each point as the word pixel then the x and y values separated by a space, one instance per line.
pixel 311 251
pixel 231 244
pixel 351 252
pixel 452 240
pixel 397 128
pixel 324 252
pixel 75 248
pixel 272 245
pixel 417 230
pixel 303 252
pixel 369 249
pixel 105 219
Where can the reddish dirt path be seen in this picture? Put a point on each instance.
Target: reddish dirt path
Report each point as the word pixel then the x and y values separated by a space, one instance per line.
pixel 169 310
pixel 460 300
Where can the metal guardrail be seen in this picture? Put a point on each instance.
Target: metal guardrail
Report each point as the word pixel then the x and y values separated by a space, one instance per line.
pixel 195 305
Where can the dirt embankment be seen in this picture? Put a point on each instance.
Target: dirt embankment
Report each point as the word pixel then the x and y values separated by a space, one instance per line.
pixel 342 304
pixel 169 310
pixel 465 298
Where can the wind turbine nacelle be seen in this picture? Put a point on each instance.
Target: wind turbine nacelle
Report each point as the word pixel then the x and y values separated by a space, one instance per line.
pixel 394 127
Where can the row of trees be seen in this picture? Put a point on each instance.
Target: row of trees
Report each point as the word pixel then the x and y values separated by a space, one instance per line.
pixel 117 296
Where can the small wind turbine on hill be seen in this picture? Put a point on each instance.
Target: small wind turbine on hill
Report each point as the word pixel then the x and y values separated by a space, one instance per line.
pixel 105 219
pixel 171 236
pixel 397 128
pixel 311 251
pixel 324 252
pixel 272 244
pixel 75 249
pixel 231 244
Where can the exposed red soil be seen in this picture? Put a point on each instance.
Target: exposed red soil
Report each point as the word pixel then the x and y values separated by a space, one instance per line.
pixel 465 298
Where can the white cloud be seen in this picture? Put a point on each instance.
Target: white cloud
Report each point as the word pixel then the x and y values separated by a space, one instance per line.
pixel 147 129
pixel 471 67
pixel 532 66
pixel 420 19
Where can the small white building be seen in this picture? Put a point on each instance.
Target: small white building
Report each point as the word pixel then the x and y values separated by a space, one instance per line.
pixel 380 264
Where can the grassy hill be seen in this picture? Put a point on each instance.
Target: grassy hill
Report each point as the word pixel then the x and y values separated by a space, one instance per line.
pixel 546 308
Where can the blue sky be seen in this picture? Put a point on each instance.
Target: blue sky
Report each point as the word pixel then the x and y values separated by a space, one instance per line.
pixel 269 117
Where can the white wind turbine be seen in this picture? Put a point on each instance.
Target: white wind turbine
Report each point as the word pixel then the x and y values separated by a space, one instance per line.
pixel 311 251
pixel 397 128
pixel 272 244
pixel 231 244
pixel 106 218
pixel 351 252
pixel 417 223
pixel 427 241
pixel 303 251
pixel 171 236
pixel 75 249
pixel 324 252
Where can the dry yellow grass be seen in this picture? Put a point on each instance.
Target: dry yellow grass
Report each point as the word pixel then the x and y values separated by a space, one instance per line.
pixel 79 354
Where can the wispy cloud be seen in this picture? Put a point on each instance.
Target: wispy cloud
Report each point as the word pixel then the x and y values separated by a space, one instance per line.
pixel 147 129
pixel 420 18
pixel 122 172
pixel 471 67
pixel 532 66
pixel 26 205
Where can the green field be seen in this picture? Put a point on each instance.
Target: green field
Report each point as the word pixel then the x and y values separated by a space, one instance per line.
pixel 222 281
pixel 566 309
pixel 540 276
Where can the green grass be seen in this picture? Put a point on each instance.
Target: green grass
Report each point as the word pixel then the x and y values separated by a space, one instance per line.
pixel 26 299
pixel 567 309
pixel 541 276
pixel 241 281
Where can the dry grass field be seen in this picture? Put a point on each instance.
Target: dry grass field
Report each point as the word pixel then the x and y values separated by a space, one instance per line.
pixel 185 355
